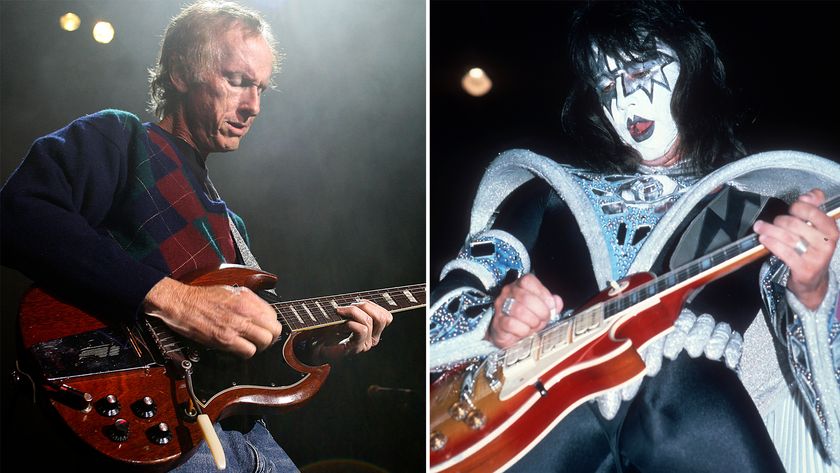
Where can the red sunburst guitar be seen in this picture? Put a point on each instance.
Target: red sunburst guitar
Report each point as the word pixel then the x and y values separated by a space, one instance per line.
pixel 485 416
pixel 136 393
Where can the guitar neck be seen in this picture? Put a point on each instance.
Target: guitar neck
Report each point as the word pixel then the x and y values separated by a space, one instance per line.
pixel 317 312
pixel 717 264
pixel 688 276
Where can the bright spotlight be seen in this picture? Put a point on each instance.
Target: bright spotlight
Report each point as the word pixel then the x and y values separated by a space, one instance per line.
pixel 69 21
pixel 476 82
pixel 103 32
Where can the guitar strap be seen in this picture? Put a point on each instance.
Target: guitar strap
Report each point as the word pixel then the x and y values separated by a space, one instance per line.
pixel 247 257
pixel 242 248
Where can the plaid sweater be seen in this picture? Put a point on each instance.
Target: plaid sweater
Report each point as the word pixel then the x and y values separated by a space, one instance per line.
pixel 106 207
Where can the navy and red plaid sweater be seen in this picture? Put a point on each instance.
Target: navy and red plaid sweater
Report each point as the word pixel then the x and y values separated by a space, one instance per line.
pixel 106 207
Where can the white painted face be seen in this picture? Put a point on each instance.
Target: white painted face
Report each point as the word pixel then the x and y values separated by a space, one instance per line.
pixel 636 95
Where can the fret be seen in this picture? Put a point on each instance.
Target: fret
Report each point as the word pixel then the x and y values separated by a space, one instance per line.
pixel 584 322
pixel 306 311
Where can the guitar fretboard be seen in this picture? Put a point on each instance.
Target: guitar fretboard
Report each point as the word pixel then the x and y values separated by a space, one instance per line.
pixel 305 314
pixel 592 319
pixel 694 268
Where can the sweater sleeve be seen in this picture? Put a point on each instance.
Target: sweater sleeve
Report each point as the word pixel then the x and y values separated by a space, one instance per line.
pixel 54 207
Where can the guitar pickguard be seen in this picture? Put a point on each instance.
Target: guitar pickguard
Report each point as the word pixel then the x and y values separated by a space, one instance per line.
pixel 216 371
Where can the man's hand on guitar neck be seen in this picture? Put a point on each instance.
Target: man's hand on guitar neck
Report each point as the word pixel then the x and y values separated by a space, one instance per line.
pixel 804 239
pixel 366 321
pixel 224 317
pixel 523 307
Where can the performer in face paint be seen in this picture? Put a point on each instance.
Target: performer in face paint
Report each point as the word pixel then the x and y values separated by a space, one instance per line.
pixel 636 96
pixel 650 111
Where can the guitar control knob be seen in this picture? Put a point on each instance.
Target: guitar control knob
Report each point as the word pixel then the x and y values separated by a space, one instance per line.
pixel 160 434
pixel 108 406
pixel 458 411
pixel 145 408
pixel 119 431
pixel 476 420
pixel 437 441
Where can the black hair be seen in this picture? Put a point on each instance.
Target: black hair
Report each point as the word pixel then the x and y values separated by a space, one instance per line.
pixel 700 102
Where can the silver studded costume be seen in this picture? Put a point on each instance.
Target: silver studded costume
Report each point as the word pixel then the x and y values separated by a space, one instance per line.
pixel 626 221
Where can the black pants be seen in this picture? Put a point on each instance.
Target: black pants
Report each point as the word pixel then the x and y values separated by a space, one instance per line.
pixel 694 416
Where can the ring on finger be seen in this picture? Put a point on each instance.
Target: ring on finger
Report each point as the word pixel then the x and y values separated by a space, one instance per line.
pixel 801 247
pixel 507 305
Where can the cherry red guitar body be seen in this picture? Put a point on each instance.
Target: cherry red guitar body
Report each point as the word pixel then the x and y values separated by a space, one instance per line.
pixel 512 426
pixel 272 380
pixel 485 416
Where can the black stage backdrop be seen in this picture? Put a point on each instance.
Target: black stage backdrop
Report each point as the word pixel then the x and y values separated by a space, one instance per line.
pixel 778 58
pixel 331 182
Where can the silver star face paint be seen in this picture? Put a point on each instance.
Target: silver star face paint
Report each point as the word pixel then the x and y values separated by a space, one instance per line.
pixel 635 92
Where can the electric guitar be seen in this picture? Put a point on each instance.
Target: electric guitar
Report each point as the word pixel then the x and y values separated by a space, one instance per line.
pixel 137 393
pixel 485 416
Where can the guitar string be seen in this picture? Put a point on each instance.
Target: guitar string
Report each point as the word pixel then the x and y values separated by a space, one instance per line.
pixel 398 292
pixel 305 320
pixel 170 343
pixel 696 267
pixel 343 300
pixel 670 279
pixel 370 295
pixel 419 288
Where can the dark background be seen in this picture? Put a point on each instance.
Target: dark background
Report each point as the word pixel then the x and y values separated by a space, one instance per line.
pixel 778 57
pixel 331 182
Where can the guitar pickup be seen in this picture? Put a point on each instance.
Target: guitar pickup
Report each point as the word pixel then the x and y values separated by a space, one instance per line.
pixel 96 352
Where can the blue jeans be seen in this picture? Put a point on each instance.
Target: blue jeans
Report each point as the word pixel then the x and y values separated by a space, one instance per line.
pixel 255 451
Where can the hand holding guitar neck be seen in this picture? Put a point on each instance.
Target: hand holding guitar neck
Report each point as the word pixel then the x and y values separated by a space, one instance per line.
pixel 805 240
pixel 230 318
pixel 366 321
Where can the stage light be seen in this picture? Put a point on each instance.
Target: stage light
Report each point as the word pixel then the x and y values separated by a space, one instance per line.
pixel 103 32
pixel 69 21
pixel 476 82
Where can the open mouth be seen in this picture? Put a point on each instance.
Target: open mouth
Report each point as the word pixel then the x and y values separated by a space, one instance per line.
pixel 640 129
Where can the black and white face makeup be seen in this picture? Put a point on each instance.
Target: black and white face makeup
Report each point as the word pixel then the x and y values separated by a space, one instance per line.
pixel 635 92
